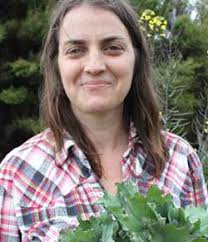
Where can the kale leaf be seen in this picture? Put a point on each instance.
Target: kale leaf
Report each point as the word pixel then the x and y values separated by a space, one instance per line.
pixel 132 217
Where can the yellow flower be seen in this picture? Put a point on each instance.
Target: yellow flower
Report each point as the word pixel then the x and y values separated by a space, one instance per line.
pixel 206 131
pixel 151 26
pixel 163 27
pixel 147 17
pixel 157 21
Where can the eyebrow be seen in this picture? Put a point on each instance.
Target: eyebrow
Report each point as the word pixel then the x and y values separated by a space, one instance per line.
pixel 103 41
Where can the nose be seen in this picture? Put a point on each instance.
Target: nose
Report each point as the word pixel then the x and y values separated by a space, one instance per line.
pixel 94 63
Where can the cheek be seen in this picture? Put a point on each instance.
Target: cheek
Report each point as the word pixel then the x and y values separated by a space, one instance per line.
pixel 125 70
pixel 69 72
pixel 126 73
pixel 126 66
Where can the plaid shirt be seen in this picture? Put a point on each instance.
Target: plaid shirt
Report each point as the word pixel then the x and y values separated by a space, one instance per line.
pixel 42 191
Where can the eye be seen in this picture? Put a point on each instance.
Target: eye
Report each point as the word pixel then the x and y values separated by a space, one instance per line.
pixel 74 51
pixel 113 49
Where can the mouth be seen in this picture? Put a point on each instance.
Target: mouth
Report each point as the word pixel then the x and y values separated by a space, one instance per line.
pixel 96 84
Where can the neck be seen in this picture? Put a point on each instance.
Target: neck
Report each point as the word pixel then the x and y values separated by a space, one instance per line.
pixel 107 131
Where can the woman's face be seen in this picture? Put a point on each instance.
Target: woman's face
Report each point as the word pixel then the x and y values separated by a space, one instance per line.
pixel 96 60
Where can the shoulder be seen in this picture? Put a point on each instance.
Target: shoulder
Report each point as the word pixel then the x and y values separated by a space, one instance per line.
pixel 183 174
pixel 177 143
pixel 40 144
pixel 181 153
pixel 30 155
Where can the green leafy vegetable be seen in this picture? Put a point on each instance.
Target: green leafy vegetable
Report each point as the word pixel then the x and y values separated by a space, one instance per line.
pixel 131 217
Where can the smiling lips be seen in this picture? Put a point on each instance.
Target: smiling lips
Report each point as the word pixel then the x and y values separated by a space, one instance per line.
pixel 96 84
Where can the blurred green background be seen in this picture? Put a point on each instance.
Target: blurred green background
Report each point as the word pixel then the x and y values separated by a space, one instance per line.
pixel 177 33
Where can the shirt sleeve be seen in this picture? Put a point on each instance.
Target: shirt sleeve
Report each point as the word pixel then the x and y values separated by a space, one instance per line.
pixel 8 224
pixel 198 180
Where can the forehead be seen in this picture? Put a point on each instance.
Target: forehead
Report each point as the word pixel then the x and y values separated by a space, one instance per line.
pixel 85 22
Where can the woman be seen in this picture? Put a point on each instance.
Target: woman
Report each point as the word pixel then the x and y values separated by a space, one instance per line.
pixel 103 124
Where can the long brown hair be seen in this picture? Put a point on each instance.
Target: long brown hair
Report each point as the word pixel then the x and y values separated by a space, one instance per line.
pixel 140 105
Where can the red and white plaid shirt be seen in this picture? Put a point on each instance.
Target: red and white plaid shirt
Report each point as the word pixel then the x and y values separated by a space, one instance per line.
pixel 42 191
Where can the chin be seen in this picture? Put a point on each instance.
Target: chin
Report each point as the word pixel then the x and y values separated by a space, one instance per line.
pixel 97 108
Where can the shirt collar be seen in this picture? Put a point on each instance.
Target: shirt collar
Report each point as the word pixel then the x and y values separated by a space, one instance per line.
pixel 62 155
pixel 133 135
pixel 69 143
